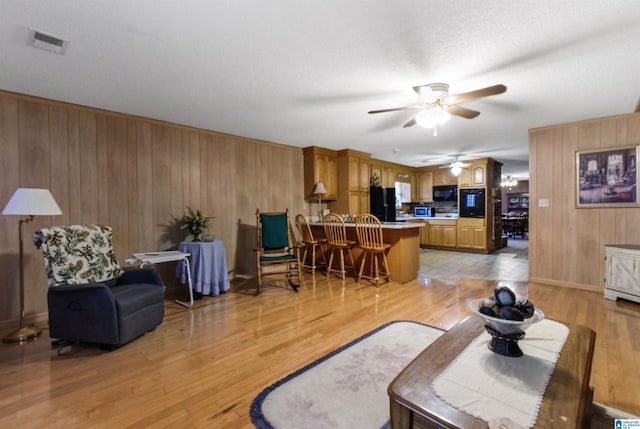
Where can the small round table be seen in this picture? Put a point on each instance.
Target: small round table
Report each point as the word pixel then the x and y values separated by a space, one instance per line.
pixel 209 274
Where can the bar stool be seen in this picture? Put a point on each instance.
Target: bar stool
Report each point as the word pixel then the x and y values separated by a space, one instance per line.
pixel 369 230
pixel 310 241
pixel 336 232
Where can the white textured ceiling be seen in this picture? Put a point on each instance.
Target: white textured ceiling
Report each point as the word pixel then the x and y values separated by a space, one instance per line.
pixel 306 73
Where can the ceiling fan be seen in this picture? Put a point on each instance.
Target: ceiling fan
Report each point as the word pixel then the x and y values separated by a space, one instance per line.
pixel 436 105
pixel 456 166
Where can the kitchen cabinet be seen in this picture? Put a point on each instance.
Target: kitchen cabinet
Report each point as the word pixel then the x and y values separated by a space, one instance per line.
pixel 443 176
pixel 622 272
pixel 387 177
pixel 442 233
pixel 388 174
pixel 435 235
pixel 449 236
pixel 472 236
pixel 469 234
pixel 358 203
pixel 320 165
pixel 424 186
pixel 365 175
pixel 424 235
pixel 474 175
pixel 376 170
pixel 358 170
pixel 351 202
pixel 354 175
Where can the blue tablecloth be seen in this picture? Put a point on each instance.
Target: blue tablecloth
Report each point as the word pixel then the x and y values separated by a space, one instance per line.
pixel 209 274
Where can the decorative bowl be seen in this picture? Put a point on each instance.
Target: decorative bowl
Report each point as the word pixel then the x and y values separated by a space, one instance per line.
pixel 505 334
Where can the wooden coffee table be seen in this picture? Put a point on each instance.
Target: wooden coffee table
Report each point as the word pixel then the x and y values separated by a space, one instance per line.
pixel 566 403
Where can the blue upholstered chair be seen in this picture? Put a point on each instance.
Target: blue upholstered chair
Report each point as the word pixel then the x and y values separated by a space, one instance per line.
pixel 91 298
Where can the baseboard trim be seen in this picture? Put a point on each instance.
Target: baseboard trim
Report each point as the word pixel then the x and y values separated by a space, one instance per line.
pixel 39 319
pixel 572 285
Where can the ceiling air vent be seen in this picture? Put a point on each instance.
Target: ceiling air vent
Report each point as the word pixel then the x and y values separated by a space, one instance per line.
pixel 48 42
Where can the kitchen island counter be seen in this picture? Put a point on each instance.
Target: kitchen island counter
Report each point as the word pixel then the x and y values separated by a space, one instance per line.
pixel 404 254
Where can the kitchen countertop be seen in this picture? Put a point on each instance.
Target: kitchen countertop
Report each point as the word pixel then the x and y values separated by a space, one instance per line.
pixel 441 217
pixel 385 225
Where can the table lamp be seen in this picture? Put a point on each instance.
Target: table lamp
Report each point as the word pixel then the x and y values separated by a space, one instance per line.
pixel 28 202
pixel 319 190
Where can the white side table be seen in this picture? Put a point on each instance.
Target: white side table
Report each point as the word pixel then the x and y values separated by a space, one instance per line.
pixel 168 256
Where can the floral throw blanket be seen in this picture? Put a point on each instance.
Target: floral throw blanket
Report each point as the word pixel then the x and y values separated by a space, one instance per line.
pixel 78 254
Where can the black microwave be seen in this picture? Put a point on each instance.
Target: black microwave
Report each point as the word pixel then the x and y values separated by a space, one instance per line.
pixel 445 193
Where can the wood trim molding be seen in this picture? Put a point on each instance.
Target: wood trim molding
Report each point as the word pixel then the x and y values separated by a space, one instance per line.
pixel 572 285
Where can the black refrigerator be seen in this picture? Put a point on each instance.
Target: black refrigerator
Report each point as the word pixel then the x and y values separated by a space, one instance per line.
pixel 383 203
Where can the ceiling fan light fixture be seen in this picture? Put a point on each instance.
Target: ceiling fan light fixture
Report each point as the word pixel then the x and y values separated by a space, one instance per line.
pixel 432 116
pixel 456 168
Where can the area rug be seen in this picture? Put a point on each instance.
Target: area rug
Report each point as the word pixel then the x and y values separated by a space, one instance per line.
pixel 346 388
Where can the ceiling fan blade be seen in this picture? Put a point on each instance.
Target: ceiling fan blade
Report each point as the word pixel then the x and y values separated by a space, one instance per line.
pixel 411 123
pixel 478 93
pixel 395 109
pixel 462 111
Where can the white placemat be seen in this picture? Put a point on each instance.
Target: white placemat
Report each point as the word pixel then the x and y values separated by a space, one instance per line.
pixel 490 386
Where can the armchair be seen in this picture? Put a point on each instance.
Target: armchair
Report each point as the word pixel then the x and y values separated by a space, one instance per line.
pixel 91 298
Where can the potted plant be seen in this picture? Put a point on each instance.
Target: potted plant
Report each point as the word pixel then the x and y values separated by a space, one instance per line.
pixel 195 222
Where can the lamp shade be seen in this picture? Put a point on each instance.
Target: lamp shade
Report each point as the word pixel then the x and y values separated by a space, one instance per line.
pixel 32 202
pixel 319 189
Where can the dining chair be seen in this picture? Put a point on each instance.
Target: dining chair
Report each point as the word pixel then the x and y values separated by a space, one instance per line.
pixel 371 241
pixel 310 242
pixel 336 232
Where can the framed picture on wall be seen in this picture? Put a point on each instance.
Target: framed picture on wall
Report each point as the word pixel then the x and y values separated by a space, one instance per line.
pixel 607 177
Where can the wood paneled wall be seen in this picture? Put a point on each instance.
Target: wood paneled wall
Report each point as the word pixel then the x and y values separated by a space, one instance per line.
pixel 566 243
pixel 138 176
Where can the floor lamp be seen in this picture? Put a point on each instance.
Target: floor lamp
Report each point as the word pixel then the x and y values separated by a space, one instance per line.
pixel 28 202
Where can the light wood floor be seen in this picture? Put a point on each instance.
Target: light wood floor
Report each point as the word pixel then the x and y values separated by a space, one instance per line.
pixel 202 367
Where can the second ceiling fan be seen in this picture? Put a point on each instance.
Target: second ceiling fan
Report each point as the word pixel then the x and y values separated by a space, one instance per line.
pixel 436 105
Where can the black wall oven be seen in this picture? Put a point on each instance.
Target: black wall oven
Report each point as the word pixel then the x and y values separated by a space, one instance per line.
pixel 472 202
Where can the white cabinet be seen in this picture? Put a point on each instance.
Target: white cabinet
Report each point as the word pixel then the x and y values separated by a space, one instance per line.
pixel 622 272
pixel 403 192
